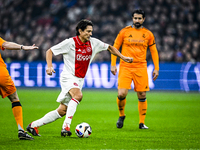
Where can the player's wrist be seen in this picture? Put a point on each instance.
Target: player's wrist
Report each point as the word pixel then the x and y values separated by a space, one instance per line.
pixel 21 47
pixel 123 57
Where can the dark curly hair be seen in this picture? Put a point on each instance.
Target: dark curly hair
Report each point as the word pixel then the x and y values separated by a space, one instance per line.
pixel 83 25
pixel 139 11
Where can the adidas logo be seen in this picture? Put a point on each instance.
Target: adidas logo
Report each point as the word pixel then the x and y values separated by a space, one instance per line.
pixel 130 35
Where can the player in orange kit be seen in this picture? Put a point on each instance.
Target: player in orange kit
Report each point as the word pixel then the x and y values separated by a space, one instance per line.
pixel 134 40
pixel 8 89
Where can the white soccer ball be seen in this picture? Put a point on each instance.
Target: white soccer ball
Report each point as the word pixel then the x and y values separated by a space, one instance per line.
pixel 83 130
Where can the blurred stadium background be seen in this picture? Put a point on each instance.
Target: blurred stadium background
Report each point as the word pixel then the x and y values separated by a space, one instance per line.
pixel 175 24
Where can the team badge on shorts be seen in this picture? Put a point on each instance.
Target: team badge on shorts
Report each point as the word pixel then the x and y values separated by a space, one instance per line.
pixel 75 84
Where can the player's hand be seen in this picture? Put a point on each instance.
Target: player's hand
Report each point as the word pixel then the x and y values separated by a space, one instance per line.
pixel 127 59
pixel 50 70
pixel 29 47
pixel 155 74
pixel 114 70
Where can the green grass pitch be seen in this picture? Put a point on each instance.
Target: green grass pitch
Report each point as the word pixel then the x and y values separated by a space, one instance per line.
pixel 172 117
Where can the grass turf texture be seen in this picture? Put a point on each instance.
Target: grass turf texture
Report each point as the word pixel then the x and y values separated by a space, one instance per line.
pixel 172 117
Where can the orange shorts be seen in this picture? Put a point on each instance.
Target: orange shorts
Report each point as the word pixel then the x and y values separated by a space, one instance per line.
pixel 7 86
pixel 139 76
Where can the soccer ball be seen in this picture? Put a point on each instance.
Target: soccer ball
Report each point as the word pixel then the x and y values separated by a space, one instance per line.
pixel 83 130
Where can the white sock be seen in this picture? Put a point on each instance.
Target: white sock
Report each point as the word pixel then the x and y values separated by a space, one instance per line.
pixel 20 128
pixel 48 118
pixel 71 109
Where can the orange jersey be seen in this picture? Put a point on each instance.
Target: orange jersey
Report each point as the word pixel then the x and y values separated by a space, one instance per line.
pixel 2 64
pixel 134 44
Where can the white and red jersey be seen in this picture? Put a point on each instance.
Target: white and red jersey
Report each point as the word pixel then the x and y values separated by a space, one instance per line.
pixel 77 55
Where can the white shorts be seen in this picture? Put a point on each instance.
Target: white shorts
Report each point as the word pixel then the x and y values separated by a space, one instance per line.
pixel 68 82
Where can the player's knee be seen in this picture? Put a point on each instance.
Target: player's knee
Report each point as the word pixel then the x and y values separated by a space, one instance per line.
pixel 141 95
pixel 13 97
pixel 121 95
pixel 61 112
pixel 78 97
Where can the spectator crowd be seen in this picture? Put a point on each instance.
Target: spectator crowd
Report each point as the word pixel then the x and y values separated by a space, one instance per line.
pixel 175 24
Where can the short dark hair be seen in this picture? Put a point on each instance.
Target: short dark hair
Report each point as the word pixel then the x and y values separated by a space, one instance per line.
pixel 83 25
pixel 139 11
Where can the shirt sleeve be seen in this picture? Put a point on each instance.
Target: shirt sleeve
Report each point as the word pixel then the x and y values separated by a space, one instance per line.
pixel 117 44
pixel 119 39
pixel 99 45
pixel 154 52
pixel 62 47
pixel 1 43
pixel 151 40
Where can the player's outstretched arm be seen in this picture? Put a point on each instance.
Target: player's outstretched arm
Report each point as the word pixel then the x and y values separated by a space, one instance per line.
pixel 49 56
pixel 15 46
pixel 115 52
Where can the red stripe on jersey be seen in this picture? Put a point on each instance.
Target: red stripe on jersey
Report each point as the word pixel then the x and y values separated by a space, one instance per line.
pixel 83 53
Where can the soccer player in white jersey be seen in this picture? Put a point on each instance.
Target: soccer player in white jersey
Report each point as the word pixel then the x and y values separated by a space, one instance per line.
pixel 78 53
